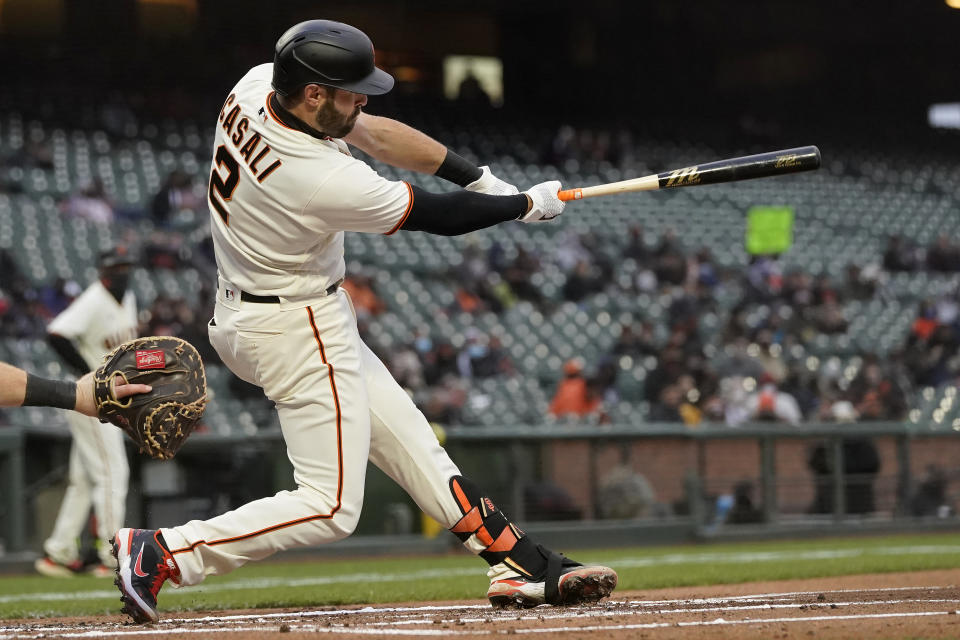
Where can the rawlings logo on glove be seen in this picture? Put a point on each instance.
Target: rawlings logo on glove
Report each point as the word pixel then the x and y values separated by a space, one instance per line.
pixel 150 360
pixel 158 421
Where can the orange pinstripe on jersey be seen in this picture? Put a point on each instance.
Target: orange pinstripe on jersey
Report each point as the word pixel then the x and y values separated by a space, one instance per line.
pixel 406 213
pixel 336 403
pixel 273 114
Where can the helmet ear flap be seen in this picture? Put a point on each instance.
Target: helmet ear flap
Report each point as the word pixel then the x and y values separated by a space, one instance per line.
pixel 280 82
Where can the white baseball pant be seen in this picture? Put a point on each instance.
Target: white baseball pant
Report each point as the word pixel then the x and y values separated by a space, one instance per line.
pixel 338 407
pixel 99 477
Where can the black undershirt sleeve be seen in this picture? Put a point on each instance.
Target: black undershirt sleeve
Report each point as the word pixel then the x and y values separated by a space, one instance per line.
pixel 458 169
pixel 68 352
pixel 459 212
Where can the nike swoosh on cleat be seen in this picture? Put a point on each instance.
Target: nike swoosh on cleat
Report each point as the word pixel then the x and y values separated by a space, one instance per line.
pixel 136 568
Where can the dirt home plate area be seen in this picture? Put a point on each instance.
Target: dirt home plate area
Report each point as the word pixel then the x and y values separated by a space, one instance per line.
pixel 894 606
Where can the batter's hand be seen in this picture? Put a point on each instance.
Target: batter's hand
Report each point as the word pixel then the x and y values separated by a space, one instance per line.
pixel 85 400
pixel 491 185
pixel 544 202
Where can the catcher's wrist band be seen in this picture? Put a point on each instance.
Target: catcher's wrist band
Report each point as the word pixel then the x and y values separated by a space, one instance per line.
pixel 458 170
pixel 42 392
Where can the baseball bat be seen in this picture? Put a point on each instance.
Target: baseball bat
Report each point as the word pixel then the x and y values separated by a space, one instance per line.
pixel 761 165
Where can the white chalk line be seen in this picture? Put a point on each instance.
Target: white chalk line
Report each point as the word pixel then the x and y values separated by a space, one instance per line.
pixel 448 608
pixel 607 629
pixel 474 632
pixel 174 626
pixel 542 613
pixel 625 612
pixel 427 574
pixel 721 621
pixel 785 594
pixel 257 584
pixel 149 632
pixel 331 612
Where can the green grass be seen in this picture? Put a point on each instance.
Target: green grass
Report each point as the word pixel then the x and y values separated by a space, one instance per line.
pixel 332 582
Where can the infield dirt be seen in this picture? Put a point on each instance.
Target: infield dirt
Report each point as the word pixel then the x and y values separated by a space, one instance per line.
pixel 894 606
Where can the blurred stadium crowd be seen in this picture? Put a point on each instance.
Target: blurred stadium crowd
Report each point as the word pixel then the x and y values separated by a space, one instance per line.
pixel 631 309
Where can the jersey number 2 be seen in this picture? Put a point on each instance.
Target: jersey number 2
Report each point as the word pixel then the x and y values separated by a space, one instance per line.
pixel 223 187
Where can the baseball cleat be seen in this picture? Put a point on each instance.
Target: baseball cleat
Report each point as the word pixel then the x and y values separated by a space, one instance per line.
pixel 51 568
pixel 143 564
pixel 575 585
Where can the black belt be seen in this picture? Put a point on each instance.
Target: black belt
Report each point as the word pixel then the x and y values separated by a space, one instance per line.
pixel 250 297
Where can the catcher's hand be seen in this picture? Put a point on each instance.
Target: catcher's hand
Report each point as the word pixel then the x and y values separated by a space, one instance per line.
pixel 158 421
pixel 87 403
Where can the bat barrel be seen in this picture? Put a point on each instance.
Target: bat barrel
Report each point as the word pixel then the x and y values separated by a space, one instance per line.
pixel 772 163
pixel 744 168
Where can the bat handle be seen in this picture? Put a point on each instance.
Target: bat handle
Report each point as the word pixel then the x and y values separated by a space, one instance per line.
pixel 567 195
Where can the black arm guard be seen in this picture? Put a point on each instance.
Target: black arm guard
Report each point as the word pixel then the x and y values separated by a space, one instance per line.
pixel 457 170
pixel 459 212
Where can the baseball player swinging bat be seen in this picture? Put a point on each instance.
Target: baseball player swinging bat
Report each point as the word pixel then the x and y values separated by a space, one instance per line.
pixel 762 165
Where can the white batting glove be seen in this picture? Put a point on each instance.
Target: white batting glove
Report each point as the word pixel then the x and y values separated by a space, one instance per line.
pixel 546 204
pixel 491 185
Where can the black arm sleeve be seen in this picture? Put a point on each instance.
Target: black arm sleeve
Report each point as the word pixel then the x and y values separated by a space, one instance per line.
pixel 69 353
pixel 459 212
pixel 457 169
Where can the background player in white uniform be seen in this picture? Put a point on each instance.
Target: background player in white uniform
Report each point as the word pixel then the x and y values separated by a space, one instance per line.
pixel 101 318
pixel 283 189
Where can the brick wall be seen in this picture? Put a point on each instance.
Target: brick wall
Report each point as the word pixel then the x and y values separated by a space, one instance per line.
pixel 665 463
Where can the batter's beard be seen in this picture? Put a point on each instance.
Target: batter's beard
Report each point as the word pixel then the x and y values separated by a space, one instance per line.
pixel 333 123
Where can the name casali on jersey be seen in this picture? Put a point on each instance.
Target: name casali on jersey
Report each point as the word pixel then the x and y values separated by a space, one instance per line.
pixel 248 148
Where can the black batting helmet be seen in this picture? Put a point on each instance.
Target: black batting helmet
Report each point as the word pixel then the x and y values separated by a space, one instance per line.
pixel 118 256
pixel 328 53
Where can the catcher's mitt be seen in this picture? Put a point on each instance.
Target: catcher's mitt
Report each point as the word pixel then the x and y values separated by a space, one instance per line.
pixel 158 421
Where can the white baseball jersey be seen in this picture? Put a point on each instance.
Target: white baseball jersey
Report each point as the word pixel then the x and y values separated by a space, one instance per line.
pixel 283 199
pixel 98 474
pixel 96 323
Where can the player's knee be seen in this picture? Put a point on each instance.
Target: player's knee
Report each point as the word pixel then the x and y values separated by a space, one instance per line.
pixel 336 517
pixel 340 526
pixel 345 522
